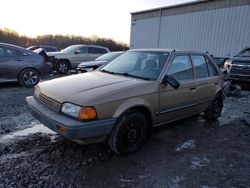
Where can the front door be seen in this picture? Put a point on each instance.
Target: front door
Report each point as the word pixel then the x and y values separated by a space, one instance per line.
pixel 178 103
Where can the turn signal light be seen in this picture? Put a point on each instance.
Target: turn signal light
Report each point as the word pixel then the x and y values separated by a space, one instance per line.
pixel 87 113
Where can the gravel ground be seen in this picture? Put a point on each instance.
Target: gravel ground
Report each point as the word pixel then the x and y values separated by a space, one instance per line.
pixel 187 153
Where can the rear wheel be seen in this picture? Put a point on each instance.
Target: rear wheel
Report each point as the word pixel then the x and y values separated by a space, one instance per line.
pixel 129 134
pixel 214 109
pixel 28 77
pixel 62 67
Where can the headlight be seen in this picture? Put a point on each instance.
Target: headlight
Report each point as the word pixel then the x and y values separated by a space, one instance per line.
pixel 79 112
pixel 36 92
pixel 228 63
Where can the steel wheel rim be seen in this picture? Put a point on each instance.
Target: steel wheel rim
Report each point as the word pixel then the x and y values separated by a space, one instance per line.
pixel 30 78
pixel 132 134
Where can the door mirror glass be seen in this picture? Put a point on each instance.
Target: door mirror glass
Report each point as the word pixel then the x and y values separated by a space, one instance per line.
pixel 171 81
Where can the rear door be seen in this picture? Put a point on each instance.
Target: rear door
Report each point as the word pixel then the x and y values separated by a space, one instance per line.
pixel 206 80
pixel 178 103
pixel 95 52
pixel 10 61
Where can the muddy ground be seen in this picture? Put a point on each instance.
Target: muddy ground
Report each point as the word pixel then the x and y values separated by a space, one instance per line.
pixel 187 153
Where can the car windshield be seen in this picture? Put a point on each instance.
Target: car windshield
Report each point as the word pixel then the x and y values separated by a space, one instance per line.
pixel 109 56
pixel 70 49
pixel 244 53
pixel 140 64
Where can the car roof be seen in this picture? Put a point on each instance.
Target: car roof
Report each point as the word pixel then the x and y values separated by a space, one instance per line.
pixel 12 46
pixel 117 52
pixel 167 50
pixel 89 45
pixel 46 46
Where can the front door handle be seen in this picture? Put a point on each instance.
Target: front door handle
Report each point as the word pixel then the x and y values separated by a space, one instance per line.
pixel 192 88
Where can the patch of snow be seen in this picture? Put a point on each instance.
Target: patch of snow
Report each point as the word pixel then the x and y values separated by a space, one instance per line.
pixel 175 182
pixel 186 145
pixel 199 162
pixel 37 128
pixel 14 155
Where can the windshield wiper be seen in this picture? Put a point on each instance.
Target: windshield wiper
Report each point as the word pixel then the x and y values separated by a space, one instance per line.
pixel 134 76
pixel 125 74
pixel 106 71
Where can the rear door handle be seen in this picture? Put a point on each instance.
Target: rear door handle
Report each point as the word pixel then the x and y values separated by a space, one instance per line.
pixel 18 59
pixel 216 83
pixel 192 88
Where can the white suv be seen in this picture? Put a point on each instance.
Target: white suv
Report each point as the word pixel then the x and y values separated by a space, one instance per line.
pixel 70 57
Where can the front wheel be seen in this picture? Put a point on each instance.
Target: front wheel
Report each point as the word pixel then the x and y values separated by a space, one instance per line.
pixel 129 134
pixel 214 109
pixel 28 77
pixel 62 67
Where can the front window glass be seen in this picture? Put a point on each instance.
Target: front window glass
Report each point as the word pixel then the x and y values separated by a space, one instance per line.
pixel 70 49
pixel 245 53
pixel 181 68
pixel 141 64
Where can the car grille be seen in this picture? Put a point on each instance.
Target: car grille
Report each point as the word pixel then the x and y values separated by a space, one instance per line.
pixel 49 102
pixel 240 70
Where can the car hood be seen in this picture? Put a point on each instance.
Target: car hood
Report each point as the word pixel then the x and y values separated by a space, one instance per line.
pixel 82 89
pixel 57 54
pixel 91 63
pixel 241 59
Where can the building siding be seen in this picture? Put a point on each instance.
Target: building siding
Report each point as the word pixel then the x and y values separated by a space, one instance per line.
pixel 219 31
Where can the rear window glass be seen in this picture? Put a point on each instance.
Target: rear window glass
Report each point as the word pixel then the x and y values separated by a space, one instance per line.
pixel 211 68
pixel 200 66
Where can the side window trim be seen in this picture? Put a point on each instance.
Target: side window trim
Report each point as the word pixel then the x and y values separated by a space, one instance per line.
pixel 212 65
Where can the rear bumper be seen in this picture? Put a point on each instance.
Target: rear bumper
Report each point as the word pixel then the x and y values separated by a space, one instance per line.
pixel 45 69
pixel 73 129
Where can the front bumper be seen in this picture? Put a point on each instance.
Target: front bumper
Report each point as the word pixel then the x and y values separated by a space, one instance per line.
pixel 73 129
pixel 239 77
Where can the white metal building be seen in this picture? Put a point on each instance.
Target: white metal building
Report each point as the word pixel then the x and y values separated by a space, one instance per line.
pixel 217 26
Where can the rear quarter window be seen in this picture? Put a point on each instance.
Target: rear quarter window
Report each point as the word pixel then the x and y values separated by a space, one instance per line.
pixel 211 67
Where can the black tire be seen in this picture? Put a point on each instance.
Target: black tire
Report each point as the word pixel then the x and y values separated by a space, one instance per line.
pixel 214 109
pixel 129 133
pixel 28 77
pixel 62 67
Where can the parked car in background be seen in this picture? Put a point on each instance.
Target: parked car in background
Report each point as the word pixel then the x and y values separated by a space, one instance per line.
pixel 100 61
pixel 122 101
pixel 45 47
pixel 238 67
pixel 72 56
pixel 22 65
pixel 220 61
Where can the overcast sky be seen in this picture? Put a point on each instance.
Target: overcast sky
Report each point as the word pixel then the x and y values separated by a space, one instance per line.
pixel 104 18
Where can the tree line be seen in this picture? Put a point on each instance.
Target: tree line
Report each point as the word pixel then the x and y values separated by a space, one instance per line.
pixel 60 41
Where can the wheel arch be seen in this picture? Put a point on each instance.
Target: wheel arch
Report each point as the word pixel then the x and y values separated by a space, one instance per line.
pixel 29 67
pixel 64 59
pixel 131 106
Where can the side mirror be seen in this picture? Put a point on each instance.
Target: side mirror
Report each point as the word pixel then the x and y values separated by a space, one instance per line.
pixel 77 51
pixel 171 81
